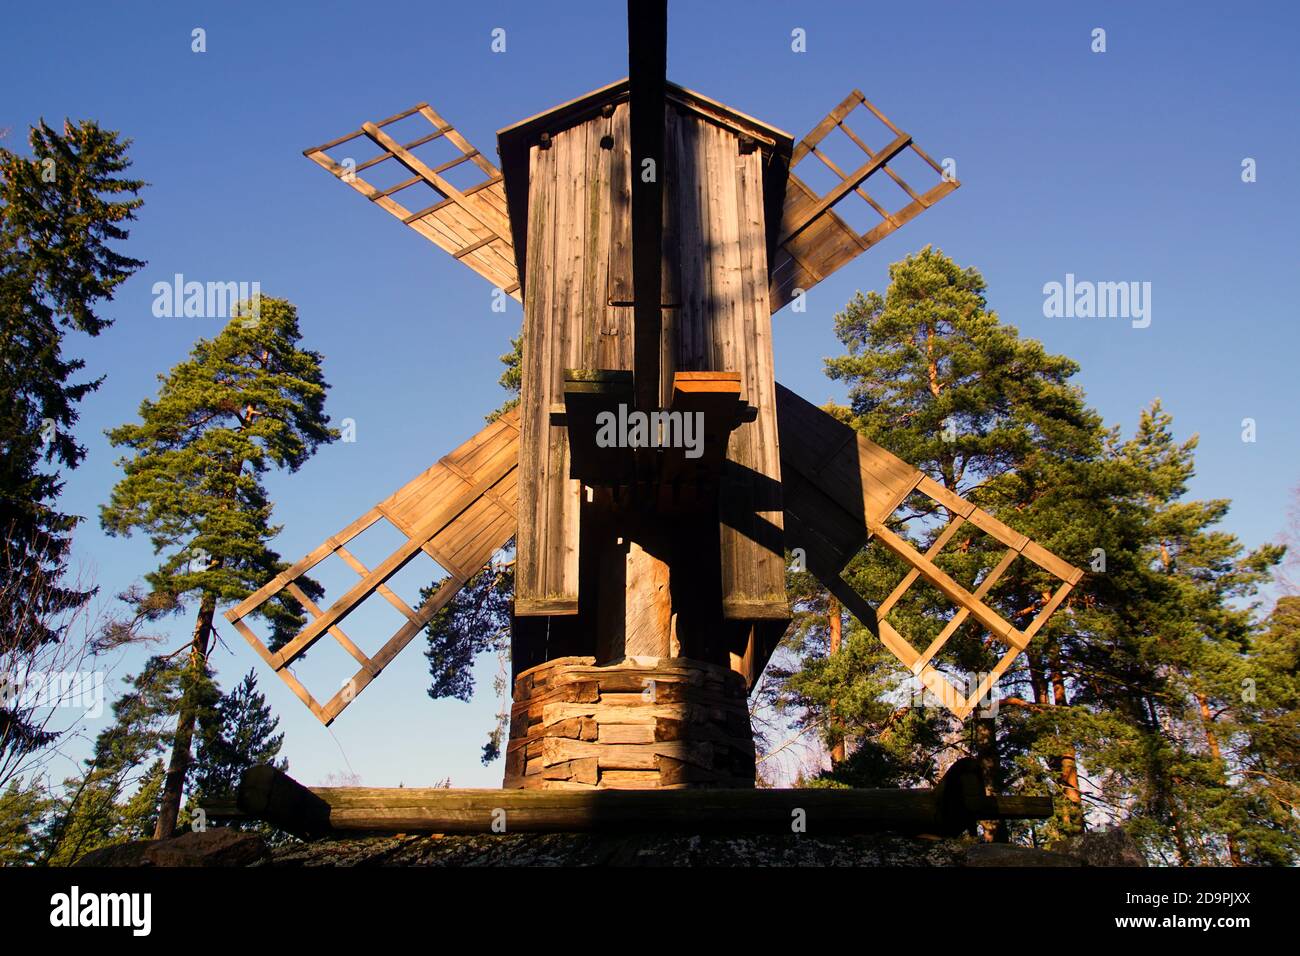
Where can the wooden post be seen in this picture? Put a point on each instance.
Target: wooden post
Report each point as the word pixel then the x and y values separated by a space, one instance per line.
pixel 271 795
pixel 647 43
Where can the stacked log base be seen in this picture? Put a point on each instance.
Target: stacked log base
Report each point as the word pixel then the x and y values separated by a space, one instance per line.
pixel 644 723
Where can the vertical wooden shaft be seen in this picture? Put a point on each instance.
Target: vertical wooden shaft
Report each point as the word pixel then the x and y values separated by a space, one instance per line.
pixel 647 45
pixel 647 620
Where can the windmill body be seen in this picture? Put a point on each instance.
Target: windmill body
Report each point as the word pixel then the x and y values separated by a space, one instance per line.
pixel 650 234
pixel 646 553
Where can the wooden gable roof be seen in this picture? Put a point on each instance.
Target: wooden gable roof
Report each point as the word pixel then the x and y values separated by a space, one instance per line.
pixel 515 141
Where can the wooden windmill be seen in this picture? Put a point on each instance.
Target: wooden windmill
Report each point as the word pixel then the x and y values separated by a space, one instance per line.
pixel 650 234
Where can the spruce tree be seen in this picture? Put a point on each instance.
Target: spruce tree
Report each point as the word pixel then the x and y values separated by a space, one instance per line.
pixel 245 401
pixel 63 212
pixel 237 734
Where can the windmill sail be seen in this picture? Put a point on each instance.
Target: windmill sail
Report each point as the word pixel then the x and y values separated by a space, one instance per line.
pixel 814 240
pixel 470 222
pixel 840 489
pixel 459 512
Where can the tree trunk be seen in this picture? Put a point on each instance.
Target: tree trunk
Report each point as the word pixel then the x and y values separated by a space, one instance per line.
pixel 1212 741
pixel 835 623
pixel 1067 764
pixel 174 782
pixel 1161 785
pixel 986 751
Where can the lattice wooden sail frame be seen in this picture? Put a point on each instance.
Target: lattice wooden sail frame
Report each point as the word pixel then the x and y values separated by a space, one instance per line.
pixel 840 489
pixel 459 512
pixel 814 241
pixel 471 225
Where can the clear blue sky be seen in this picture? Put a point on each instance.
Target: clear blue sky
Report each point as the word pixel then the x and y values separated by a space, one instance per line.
pixel 1117 166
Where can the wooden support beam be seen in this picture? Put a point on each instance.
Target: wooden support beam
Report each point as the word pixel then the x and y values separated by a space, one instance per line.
pixel 274 797
pixel 716 396
pixel 588 393
pixel 950 808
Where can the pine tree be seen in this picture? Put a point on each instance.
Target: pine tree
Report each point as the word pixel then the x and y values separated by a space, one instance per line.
pixel 62 212
pixel 113 793
pixel 248 400
pixel 138 815
pixel 936 378
pixel 476 620
pixel 1265 734
pixel 1128 706
pixel 512 378
pixel 23 807
pixel 849 693
pixel 1156 659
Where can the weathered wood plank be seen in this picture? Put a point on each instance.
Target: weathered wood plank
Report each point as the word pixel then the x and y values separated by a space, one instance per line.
pixel 554 314
pixel 723 322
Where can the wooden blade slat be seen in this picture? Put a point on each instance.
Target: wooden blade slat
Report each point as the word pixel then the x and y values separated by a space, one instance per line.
pixel 959 618
pixel 383 589
pixel 791 229
pixel 944 537
pixel 848 131
pixel 435 524
pixel 335 631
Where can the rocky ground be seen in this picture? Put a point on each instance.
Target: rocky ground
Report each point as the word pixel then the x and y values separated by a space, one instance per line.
pixel 225 847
